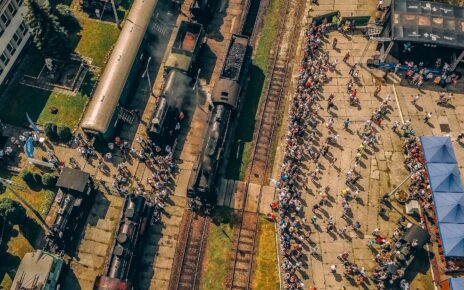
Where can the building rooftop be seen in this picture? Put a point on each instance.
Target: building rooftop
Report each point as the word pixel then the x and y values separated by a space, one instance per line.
pixel 38 270
pixel 73 179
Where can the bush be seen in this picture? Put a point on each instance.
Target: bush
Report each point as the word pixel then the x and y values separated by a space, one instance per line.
pixel 27 176
pixel 64 133
pixel 37 178
pixel 51 131
pixel 66 17
pixel 2 188
pixel 48 180
pixel 12 211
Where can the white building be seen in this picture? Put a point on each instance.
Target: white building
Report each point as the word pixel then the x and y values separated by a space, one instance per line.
pixel 13 35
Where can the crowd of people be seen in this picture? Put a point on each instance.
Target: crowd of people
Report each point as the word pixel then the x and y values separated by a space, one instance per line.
pixel 161 164
pixel 304 142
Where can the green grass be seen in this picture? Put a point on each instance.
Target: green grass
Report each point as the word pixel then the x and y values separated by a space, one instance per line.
pixel 39 198
pixel 266 274
pixel 70 109
pixel 237 166
pixel 23 238
pixel 37 102
pixel 218 253
pixel 96 39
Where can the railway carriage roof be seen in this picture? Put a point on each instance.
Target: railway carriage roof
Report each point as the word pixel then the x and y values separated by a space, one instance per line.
pixel 114 77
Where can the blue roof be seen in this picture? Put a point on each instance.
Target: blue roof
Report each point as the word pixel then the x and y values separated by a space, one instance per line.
pixel 438 149
pixel 444 177
pixel 452 236
pixel 449 207
pixel 456 283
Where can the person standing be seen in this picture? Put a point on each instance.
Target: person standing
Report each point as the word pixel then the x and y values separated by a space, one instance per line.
pixel 427 117
pixel 346 57
pixel 415 99
pixel 346 123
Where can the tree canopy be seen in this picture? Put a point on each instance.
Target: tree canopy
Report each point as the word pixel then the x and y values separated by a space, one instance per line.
pixel 49 36
pixel 12 211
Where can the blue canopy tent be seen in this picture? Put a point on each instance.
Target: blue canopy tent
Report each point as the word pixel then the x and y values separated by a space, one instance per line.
pixel 456 283
pixel 444 177
pixel 438 149
pixel 449 207
pixel 452 236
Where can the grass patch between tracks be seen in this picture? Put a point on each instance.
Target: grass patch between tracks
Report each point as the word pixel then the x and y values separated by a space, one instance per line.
pixel 218 250
pixel 238 163
pixel 265 272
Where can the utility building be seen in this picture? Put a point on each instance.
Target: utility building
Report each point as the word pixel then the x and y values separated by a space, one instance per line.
pixel 14 35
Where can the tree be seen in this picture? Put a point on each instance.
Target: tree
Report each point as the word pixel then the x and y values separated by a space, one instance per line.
pixel 50 38
pixel 12 211
pixel 37 178
pixel 64 133
pixel 66 17
pixel 48 180
pixel 50 130
pixel 27 176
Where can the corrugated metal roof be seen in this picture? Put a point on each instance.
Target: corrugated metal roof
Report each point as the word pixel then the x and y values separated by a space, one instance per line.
pixel 73 179
pixel 110 86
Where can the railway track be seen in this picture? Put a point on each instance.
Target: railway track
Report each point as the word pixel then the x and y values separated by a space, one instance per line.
pixel 186 274
pixel 274 92
pixel 240 275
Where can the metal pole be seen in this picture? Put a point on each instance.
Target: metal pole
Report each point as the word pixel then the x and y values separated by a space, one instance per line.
pixel 148 76
pixel 403 182
pixel 116 18
pixel 457 61
pixel 387 51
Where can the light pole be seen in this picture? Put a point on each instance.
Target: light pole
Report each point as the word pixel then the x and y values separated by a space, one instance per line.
pixel 148 76
pixel 115 14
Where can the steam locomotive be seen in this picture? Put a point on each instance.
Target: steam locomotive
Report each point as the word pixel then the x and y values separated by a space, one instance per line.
pixel 75 193
pixel 179 67
pixel 202 10
pixel 122 263
pixel 225 99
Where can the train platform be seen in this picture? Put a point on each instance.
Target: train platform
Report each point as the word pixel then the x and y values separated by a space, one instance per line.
pixel 381 170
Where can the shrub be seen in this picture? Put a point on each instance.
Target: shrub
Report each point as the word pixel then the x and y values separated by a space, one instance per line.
pixel 12 211
pixel 48 180
pixel 27 176
pixel 37 178
pixel 64 133
pixel 2 188
pixel 51 130
pixel 66 17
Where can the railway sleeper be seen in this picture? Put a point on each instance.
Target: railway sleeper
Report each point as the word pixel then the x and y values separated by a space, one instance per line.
pixel 188 271
pixel 244 259
pixel 270 111
pixel 187 278
pixel 190 264
pixel 261 144
pixel 259 159
pixel 275 88
pixel 246 241
pixel 262 149
pixel 242 266
pixel 266 126
pixel 245 249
